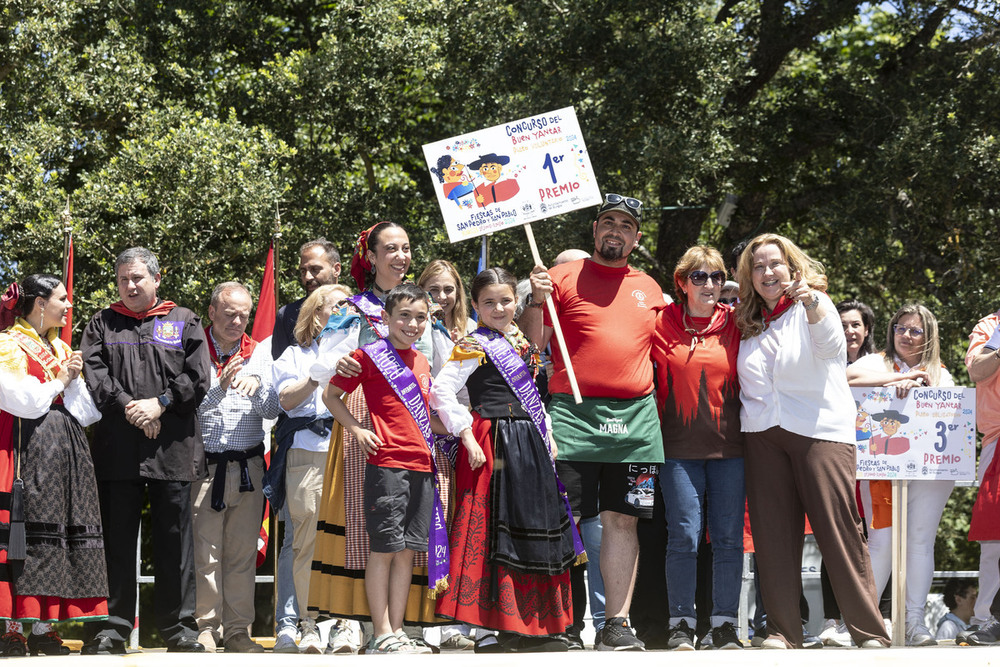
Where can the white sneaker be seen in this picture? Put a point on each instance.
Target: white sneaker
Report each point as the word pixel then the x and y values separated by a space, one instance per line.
pixel 285 642
pixel 341 639
pixel 918 635
pixel 310 642
pixel 207 639
pixel 835 634
pixel 773 643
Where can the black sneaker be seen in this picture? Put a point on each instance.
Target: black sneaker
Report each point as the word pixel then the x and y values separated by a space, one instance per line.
pixel 618 636
pixel 962 638
pixel 573 640
pixel 725 638
pixel 597 637
pixel 987 635
pixel 47 644
pixel 681 637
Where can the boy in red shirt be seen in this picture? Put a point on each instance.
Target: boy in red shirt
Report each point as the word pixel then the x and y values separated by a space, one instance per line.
pixel 398 486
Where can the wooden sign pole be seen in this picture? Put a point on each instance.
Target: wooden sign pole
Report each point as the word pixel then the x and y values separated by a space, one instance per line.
pixel 899 490
pixel 555 321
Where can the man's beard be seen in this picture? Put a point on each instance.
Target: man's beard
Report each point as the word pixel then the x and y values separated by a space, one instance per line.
pixel 611 254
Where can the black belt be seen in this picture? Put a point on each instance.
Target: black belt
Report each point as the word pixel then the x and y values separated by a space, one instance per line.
pixel 219 483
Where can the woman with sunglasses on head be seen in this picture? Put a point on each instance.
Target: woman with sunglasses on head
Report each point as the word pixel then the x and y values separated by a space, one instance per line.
pixel 798 419
pixel 695 347
pixel 912 358
pixel 46 474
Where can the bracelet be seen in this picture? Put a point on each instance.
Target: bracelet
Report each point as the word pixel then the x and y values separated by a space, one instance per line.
pixel 815 302
pixel 534 304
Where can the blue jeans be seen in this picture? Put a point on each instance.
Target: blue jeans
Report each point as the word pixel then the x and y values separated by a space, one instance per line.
pixel 591 531
pixel 687 487
pixel 286 613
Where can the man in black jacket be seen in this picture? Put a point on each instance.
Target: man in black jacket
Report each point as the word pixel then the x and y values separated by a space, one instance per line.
pixel 147 367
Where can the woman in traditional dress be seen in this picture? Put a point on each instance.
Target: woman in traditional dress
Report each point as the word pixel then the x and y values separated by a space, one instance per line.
pixel 53 566
pixel 512 536
pixel 337 585
pixel 912 358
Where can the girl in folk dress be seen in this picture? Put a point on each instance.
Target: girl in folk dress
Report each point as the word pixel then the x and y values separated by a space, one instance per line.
pixel 512 538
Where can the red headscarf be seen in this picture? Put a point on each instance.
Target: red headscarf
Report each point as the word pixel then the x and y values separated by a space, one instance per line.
pixel 359 261
pixel 8 305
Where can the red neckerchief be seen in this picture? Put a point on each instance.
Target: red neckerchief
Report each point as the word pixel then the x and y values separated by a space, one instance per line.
pixel 162 308
pixel 247 345
pixel 784 303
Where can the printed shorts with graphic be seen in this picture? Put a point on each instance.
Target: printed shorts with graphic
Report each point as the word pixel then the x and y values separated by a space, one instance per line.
pixel 593 487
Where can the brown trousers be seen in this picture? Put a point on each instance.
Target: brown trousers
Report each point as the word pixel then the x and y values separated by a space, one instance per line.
pixel 787 477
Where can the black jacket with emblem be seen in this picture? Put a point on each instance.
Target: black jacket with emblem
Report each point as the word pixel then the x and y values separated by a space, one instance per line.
pixel 126 358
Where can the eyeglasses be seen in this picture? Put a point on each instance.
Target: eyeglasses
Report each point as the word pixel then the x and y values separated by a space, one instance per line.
pixel 728 300
pixel 699 278
pixel 631 203
pixel 900 330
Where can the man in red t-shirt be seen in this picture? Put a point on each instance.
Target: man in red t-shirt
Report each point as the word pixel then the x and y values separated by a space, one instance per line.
pixel 609 445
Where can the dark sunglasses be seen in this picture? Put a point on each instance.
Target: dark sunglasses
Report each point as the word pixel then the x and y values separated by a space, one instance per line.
pixel 699 278
pixel 615 199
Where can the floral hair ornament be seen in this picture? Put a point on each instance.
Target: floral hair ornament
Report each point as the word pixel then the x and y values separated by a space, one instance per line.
pixel 8 305
pixel 359 261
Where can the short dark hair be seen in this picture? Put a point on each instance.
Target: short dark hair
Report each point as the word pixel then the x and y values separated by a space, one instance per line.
pixel 956 588
pixel 138 254
pixel 405 292
pixel 492 276
pixel 332 255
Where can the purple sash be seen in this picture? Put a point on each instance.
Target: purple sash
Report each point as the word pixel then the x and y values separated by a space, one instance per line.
pixel 371 308
pixel 407 388
pixel 517 376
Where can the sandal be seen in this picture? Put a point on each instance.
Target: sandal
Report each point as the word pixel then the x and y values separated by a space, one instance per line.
pixel 388 643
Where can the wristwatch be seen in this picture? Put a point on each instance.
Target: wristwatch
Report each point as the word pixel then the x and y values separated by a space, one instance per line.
pixel 164 400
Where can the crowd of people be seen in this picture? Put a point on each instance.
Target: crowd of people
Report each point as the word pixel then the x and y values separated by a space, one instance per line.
pixel 438 484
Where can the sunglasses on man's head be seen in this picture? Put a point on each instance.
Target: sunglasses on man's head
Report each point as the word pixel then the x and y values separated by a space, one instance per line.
pixel 613 199
pixel 699 278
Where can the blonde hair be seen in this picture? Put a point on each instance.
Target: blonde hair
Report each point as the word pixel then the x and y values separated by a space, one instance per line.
pixel 460 313
pixel 308 325
pixel 930 355
pixel 748 310
pixel 693 258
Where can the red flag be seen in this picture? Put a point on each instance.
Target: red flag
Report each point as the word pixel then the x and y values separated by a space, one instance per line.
pixel 67 331
pixel 267 309
pixel 263 325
